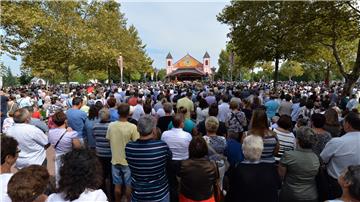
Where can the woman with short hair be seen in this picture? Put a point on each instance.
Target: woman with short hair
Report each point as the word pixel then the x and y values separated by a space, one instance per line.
pixel 252 180
pixel 286 138
pixel 80 178
pixel 349 181
pixel 298 168
pixel 332 123
pixel 198 175
pixel 62 138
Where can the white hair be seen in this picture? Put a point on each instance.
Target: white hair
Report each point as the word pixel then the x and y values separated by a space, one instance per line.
pixel 252 147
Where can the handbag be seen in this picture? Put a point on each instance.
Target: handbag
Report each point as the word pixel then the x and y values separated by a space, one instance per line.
pixel 223 159
pixel 322 182
pixel 218 193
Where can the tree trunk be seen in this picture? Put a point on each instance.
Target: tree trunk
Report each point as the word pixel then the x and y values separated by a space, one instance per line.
pixel 276 73
pixel 327 75
pixel 67 75
pixel 350 79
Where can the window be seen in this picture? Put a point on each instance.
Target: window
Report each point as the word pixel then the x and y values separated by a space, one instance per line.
pixel 169 63
pixel 206 62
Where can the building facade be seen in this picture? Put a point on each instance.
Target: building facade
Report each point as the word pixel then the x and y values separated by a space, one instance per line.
pixel 188 68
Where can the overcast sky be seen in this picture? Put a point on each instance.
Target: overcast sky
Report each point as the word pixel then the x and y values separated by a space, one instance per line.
pixel 178 27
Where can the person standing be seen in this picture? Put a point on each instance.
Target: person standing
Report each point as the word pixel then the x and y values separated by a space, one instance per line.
pixel 32 141
pixel 271 106
pixel 178 141
pixel 149 179
pixel 4 108
pixel 119 134
pixel 341 152
pixel 224 108
pixel 77 119
pixel 187 103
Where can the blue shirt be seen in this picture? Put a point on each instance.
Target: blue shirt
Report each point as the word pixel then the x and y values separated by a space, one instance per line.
pixel 189 125
pixel 147 161
pixel 76 120
pixel 233 152
pixel 114 116
pixel 102 144
pixel 271 108
pixel 89 131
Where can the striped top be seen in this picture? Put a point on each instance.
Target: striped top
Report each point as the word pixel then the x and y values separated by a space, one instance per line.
pixel 102 144
pixel 147 160
pixel 287 142
pixel 267 155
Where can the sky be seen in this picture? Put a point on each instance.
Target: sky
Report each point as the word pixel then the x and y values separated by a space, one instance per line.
pixel 178 27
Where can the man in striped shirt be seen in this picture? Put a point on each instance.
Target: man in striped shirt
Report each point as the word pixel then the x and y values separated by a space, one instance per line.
pixel 147 159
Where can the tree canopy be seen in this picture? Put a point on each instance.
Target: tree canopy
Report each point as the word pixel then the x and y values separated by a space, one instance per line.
pixel 65 40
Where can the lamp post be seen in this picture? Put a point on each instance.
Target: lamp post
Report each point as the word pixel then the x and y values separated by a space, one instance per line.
pixel 120 64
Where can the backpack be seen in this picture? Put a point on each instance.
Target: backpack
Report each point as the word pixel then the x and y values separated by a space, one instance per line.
pixel 234 123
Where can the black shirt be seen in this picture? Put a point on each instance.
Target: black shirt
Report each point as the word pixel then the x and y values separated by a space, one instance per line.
pixel 163 123
pixel 254 183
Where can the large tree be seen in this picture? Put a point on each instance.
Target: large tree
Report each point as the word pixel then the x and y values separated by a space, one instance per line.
pixel 264 30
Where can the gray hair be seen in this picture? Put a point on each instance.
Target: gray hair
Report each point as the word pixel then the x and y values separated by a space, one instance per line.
pixel 21 115
pixel 252 147
pixel 145 125
pixel 167 107
pixel 104 114
pixel 306 137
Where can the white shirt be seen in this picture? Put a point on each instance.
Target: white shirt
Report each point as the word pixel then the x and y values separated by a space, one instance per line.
pixel 87 195
pixel 178 141
pixel 138 112
pixel 341 152
pixel 4 179
pixel 31 143
pixel 224 109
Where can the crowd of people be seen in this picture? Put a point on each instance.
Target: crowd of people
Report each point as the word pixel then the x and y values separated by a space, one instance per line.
pixel 186 141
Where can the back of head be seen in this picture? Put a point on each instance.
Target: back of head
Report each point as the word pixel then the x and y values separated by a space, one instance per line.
pixel 213 110
pixel 353 119
pixel 104 115
pixel 352 177
pixel 111 102
pixel 197 147
pixel 318 120
pixel 77 101
pixel 252 147
pixel 80 170
pixel 167 107
pixel 123 110
pixel 259 120
pixel 332 117
pixel 178 120
pixel 226 98
pixel 21 115
pixel 234 105
pixel 211 124
pixel 8 147
pixel 285 122
pixel 145 125
pixel 306 137
pixel 182 110
pixel 28 184
pixel 147 108
pixel 59 118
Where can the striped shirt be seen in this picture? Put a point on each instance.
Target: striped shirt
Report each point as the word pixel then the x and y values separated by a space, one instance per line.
pixel 102 144
pixel 267 155
pixel 147 160
pixel 287 142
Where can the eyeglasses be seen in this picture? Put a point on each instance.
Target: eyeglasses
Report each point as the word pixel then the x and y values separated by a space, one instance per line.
pixel 18 151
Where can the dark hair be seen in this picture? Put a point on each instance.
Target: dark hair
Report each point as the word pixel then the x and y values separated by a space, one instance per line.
pixel 203 104
pixel 197 147
pixel 77 101
pixel 213 110
pixel 111 102
pixel 318 120
pixel 285 122
pixel 182 110
pixel 147 108
pixel 352 176
pixel 309 104
pixel 353 119
pixel 8 147
pixel 80 170
pixel 59 118
pixel 93 112
pixel 226 98
pixel 178 119
pixel 123 110
pixel 287 97
pixel 28 184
